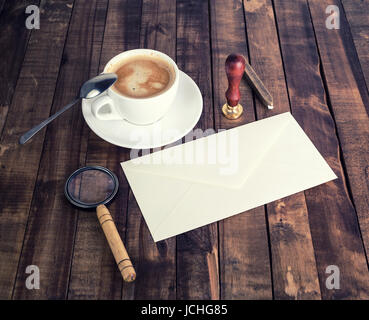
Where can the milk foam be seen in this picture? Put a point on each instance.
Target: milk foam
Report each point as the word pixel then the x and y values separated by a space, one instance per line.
pixel 143 76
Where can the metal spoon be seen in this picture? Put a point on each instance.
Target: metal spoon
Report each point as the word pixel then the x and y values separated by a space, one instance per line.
pixel 90 89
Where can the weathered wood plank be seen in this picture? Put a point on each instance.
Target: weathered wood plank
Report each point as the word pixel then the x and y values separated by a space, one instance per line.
pixel 2 2
pixel 348 107
pixel 14 37
pixel 243 242
pixel 155 262
pixel 333 220
pixel 94 273
pixel 358 18
pixel 52 221
pixel 19 164
pixel 293 262
pixel 197 251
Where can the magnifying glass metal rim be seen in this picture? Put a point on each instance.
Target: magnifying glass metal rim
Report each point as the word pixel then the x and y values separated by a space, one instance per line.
pixel 85 205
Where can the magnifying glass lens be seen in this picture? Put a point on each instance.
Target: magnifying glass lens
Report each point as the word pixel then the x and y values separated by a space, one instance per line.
pixel 90 187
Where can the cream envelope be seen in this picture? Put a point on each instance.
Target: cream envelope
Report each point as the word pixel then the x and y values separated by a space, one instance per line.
pixel 199 182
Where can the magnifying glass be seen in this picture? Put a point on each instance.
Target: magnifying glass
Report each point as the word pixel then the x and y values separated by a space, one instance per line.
pixel 94 187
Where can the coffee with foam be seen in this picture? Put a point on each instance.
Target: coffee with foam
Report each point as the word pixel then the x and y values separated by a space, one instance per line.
pixel 143 76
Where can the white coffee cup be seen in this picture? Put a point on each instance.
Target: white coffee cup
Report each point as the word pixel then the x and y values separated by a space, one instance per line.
pixel 141 111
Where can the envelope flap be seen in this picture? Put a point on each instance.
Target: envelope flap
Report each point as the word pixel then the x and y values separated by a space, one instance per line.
pixel 215 159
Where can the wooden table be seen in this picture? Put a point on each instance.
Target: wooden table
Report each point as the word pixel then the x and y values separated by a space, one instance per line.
pixel 278 251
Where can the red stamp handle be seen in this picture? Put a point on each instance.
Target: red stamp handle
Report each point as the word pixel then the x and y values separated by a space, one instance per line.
pixel 235 67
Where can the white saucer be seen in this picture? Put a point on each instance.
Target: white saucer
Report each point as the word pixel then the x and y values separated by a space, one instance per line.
pixel 180 120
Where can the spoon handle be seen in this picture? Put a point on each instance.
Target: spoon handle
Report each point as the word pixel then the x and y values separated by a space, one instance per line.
pixel 29 134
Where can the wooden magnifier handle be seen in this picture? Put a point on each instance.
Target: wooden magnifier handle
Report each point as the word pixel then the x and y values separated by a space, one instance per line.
pixel 116 245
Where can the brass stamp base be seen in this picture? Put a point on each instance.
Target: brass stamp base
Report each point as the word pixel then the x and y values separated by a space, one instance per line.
pixel 232 113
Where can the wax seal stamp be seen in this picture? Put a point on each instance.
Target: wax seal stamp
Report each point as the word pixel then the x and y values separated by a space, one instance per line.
pixel 235 67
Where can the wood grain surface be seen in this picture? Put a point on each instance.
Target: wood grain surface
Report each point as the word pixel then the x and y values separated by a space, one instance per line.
pixel 294 276
pixel 52 220
pixel 14 37
pixel 358 28
pixel 2 2
pixel 277 251
pixel 331 213
pixel 243 241
pixel 33 98
pixel 197 251
pixel 346 98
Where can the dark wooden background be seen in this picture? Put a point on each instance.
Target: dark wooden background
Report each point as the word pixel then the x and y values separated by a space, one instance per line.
pixel 278 251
